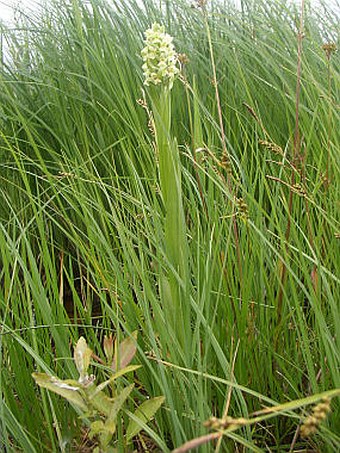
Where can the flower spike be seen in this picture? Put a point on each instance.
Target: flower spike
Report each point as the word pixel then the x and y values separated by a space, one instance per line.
pixel 159 56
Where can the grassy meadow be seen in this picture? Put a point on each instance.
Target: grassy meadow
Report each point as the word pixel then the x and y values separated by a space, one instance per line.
pixel 194 232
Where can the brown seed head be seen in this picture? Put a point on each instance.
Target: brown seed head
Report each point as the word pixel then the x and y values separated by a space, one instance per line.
pixel 329 48
pixel 271 146
pixel 224 423
pixel 183 58
pixel 312 422
pixel 201 3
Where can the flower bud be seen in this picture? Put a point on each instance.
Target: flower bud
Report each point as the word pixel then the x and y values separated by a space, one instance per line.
pixel 82 356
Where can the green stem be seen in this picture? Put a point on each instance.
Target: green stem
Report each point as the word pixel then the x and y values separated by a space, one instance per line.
pixel 174 281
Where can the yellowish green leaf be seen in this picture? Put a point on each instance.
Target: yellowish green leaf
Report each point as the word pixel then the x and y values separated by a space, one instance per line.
pixel 116 407
pixel 68 389
pixel 96 428
pixel 119 373
pixel 144 413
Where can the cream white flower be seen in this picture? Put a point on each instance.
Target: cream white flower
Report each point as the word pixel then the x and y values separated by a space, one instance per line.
pixel 159 56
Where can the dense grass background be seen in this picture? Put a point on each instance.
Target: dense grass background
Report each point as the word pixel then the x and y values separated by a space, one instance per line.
pixel 82 217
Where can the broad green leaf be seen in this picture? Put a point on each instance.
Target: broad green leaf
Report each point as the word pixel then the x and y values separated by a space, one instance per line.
pixel 117 405
pixel 68 389
pixel 101 402
pixel 125 352
pixel 144 412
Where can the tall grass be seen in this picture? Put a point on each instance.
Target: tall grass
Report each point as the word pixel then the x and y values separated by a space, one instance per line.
pixel 82 217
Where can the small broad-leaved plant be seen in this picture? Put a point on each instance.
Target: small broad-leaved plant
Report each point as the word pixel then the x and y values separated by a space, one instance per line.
pixel 102 404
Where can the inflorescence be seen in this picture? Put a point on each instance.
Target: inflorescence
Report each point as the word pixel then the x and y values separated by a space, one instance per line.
pixel 159 56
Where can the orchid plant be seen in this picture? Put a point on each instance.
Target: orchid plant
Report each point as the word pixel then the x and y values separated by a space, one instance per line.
pixel 160 71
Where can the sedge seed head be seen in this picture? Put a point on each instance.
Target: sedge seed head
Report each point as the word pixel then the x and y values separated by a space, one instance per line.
pixel 312 422
pixel 329 48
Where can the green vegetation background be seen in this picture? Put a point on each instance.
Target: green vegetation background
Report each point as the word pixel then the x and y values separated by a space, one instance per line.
pixel 82 217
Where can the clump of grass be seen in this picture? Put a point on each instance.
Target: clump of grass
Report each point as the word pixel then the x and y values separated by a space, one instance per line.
pixel 82 225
